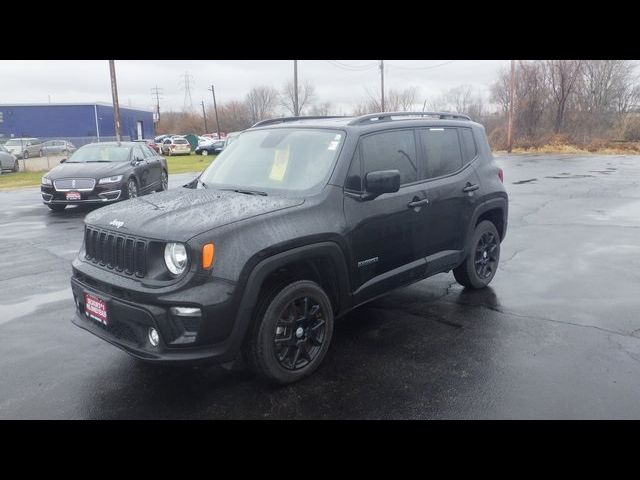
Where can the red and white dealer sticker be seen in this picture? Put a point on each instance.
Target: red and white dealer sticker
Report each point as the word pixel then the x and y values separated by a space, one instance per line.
pixel 73 196
pixel 95 308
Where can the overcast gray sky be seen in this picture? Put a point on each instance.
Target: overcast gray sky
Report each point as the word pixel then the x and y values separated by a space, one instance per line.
pixel 344 83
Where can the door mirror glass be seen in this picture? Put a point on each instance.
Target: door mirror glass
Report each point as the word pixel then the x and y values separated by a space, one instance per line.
pixel 382 181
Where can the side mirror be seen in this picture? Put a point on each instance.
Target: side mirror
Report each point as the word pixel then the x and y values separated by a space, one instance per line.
pixel 379 182
pixel 63 160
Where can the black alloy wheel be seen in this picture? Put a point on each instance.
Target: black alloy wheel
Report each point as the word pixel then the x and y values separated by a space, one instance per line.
pixel 486 258
pixel 299 333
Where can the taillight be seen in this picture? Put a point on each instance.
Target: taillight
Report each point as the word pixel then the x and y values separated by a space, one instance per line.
pixel 501 175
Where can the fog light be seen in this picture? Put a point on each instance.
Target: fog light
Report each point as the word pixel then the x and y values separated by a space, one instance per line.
pixel 185 311
pixel 154 337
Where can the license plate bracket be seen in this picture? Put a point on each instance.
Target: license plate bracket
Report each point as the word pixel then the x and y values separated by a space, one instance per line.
pixel 96 308
pixel 73 196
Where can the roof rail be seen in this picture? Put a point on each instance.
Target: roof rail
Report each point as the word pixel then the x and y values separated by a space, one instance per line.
pixel 386 116
pixel 292 119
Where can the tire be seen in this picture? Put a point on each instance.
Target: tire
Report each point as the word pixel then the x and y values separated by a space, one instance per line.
pixel 204 152
pixel 132 188
pixel 25 154
pixel 271 345
pixel 41 153
pixel 164 181
pixel 57 208
pixel 481 263
pixel 16 166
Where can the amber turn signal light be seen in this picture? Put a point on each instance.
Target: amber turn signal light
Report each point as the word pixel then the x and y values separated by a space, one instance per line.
pixel 208 255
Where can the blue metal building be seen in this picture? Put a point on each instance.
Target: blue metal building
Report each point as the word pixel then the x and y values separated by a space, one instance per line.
pixel 73 120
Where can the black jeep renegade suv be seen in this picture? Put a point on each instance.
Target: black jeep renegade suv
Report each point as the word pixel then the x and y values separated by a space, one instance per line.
pixel 295 224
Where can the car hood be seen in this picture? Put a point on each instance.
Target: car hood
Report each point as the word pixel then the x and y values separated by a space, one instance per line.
pixel 183 213
pixel 88 170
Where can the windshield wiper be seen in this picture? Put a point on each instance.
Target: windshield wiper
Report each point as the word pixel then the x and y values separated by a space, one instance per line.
pixel 246 192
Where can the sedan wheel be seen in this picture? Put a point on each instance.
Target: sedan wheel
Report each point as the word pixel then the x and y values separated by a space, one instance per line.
pixel 204 153
pixel 16 167
pixel 26 154
pixel 164 181
pixel 132 188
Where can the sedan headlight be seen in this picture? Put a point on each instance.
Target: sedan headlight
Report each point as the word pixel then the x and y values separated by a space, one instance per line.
pixel 175 257
pixel 46 181
pixel 114 179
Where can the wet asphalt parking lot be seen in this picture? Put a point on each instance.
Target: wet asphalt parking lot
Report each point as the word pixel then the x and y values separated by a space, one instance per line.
pixel 556 335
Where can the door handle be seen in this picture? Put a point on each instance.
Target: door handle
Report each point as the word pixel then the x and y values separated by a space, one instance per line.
pixel 470 187
pixel 418 203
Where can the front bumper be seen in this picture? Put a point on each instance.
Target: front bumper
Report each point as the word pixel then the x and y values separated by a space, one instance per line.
pixel 183 340
pixel 100 194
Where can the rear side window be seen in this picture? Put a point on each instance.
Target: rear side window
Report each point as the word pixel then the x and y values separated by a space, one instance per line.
pixel 469 149
pixel 442 151
pixel 394 150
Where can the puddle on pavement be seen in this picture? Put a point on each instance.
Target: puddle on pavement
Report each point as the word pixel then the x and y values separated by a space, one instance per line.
pixel 531 180
pixel 30 304
pixel 568 175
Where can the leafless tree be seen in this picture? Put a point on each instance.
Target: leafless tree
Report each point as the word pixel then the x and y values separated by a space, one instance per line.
pixel 306 95
pixel 321 109
pixel 261 102
pixel 563 76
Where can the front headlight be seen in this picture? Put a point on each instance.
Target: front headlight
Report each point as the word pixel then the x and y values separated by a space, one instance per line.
pixel 114 179
pixel 46 181
pixel 175 257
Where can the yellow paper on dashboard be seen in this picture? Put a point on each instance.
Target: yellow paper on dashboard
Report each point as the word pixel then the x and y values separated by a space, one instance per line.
pixel 280 162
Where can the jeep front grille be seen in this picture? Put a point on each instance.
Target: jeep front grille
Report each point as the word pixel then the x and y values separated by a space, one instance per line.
pixel 115 251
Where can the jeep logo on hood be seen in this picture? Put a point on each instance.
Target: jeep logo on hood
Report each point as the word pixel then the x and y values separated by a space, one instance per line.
pixel 116 223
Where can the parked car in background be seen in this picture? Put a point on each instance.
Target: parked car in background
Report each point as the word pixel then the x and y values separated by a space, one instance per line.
pixel 175 146
pixel 55 147
pixel 160 138
pixel 150 143
pixel 210 148
pixel 8 161
pixel 101 173
pixel 25 147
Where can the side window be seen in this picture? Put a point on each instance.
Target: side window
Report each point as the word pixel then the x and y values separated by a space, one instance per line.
pixel 442 151
pixel 354 179
pixel 393 150
pixel 137 152
pixel 469 150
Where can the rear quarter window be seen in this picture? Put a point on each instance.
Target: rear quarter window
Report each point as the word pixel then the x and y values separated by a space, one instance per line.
pixel 442 152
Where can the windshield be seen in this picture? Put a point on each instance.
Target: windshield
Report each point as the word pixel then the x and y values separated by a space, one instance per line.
pixel 283 159
pixel 15 143
pixel 100 153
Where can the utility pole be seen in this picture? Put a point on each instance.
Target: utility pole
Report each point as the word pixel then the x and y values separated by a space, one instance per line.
pixel 296 110
pixel 157 92
pixel 204 114
pixel 114 95
pixel 382 84
pixel 511 89
pixel 215 108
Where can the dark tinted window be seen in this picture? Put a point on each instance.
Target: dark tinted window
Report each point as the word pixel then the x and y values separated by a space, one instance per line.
pixel 354 180
pixel 395 150
pixel 469 150
pixel 147 151
pixel 442 151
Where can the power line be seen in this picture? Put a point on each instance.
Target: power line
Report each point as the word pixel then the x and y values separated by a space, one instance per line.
pixel 352 68
pixel 421 68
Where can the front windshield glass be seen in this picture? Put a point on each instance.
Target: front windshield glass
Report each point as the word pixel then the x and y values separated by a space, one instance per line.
pixel 15 143
pixel 283 159
pixel 100 153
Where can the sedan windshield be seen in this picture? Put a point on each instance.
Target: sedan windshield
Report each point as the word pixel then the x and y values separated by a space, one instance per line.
pixel 15 143
pixel 281 160
pixel 100 153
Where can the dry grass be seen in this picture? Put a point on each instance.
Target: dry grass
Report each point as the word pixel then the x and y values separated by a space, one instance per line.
pixel 596 148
